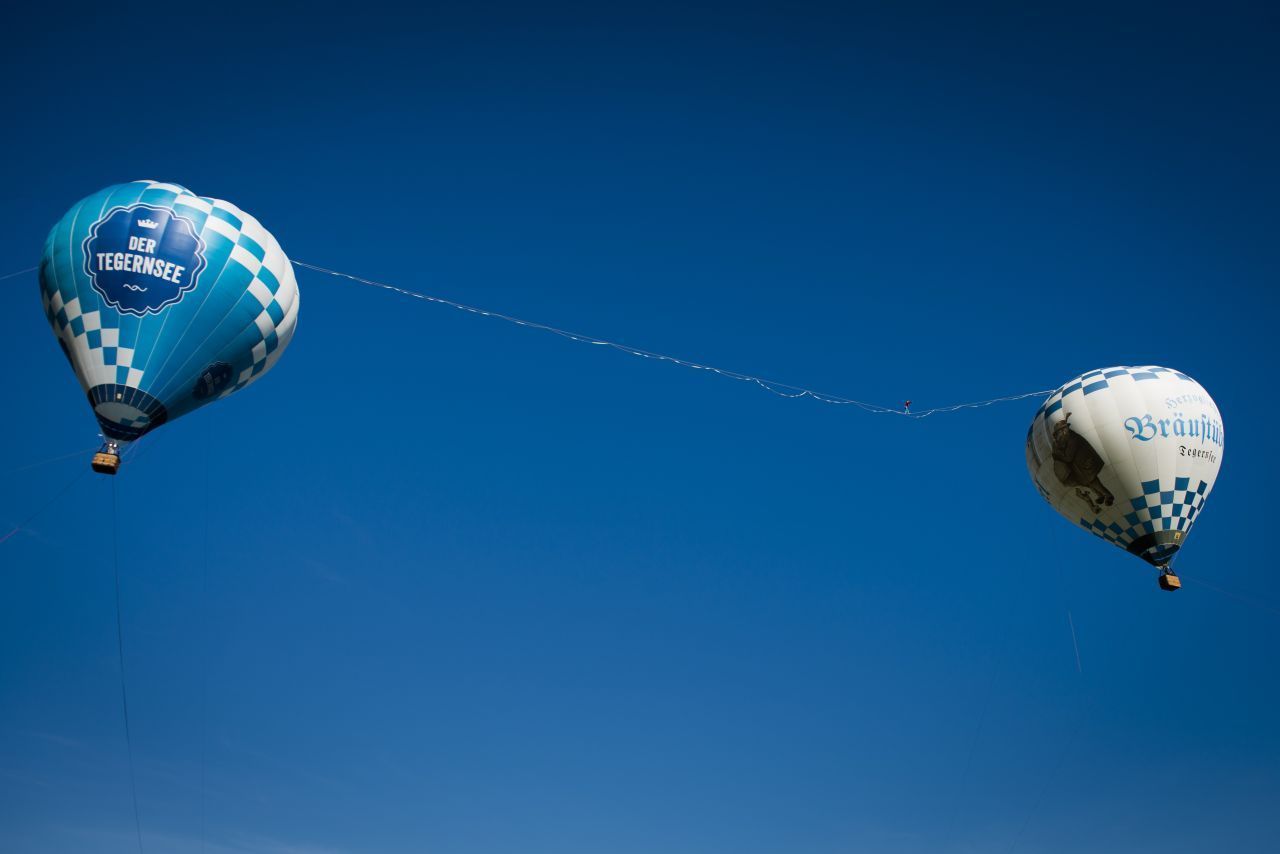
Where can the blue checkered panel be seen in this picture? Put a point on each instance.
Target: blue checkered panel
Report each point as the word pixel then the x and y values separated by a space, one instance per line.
pixel 1157 509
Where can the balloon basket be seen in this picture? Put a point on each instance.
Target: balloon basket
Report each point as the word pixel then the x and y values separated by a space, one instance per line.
pixel 1169 581
pixel 105 463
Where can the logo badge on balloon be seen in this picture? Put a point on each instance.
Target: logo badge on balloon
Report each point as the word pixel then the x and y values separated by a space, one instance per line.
pixel 142 258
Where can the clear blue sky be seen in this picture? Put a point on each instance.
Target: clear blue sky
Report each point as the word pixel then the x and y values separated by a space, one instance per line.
pixel 474 589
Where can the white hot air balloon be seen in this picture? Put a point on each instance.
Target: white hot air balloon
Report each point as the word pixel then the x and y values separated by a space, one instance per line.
pixel 1129 454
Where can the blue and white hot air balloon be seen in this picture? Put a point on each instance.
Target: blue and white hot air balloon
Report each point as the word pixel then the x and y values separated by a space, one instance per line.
pixel 1131 455
pixel 163 301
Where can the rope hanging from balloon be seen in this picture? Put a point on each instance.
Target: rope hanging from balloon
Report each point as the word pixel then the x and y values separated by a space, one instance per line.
pixel 31 517
pixel 124 693
pixel 130 453
pixel 771 386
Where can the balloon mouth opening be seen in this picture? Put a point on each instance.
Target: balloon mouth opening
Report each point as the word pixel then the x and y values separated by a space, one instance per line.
pixel 124 413
pixel 1157 548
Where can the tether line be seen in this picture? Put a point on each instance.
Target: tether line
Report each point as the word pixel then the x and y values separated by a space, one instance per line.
pixel 204 646
pixel 771 386
pixel 1074 643
pixel 124 694
pixel 18 273
pixel 43 507
pixel 39 463
pixel 1239 597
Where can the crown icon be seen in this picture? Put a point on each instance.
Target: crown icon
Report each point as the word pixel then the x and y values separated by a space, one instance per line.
pixel 147 223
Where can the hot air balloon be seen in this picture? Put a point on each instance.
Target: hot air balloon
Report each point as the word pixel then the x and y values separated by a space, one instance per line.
pixel 1130 454
pixel 163 301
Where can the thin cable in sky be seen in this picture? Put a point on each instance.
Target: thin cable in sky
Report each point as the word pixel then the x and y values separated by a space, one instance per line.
pixel 1248 599
pixel 129 453
pixel 45 506
pixel 771 386
pixel 56 459
pixel 18 273
pixel 124 694
pixel 1074 643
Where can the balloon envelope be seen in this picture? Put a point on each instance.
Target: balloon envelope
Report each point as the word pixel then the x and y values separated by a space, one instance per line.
pixel 164 301
pixel 1129 454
